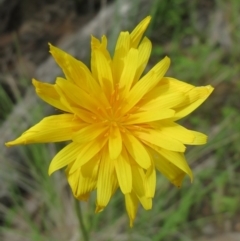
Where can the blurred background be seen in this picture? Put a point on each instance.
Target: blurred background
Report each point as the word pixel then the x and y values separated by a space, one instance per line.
pixel 202 39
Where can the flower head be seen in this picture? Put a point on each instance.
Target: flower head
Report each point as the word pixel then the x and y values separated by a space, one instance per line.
pixel 121 123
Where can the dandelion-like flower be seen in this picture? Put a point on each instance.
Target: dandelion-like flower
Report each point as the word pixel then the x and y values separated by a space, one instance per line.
pixel 121 124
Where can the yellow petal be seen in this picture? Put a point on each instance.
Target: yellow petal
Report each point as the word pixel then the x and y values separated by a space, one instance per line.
pixel 195 98
pixel 199 138
pixel 177 159
pixel 144 51
pixel 88 177
pixel 48 93
pixel 75 179
pixel 104 72
pixel 157 138
pixel 121 50
pixel 137 150
pixel 73 69
pixel 139 187
pixel 138 181
pixel 148 116
pixel 137 33
pixel 94 43
pixel 150 181
pixel 163 88
pixel 67 155
pixel 97 45
pixel 124 172
pixel 114 188
pixel 178 132
pixel 115 184
pixel 83 114
pixel 54 128
pixel 163 101
pixel 89 133
pixel 146 202
pixel 175 85
pixel 129 70
pixel 172 172
pixel 147 83
pixel 88 169
pixel 114 142
pixel 131 202
pixel 105 181
pixel 101 46
pixel 88 151
pixel 76 95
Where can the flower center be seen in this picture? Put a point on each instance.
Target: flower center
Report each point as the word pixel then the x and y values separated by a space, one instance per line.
pixel 114 112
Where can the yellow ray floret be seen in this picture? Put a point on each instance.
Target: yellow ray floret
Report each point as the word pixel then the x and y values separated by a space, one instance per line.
pixel 121 123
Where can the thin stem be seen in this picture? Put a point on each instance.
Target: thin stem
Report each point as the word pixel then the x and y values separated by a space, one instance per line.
pixel 80 219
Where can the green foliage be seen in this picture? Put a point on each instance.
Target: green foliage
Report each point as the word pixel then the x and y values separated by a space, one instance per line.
pixel 5 104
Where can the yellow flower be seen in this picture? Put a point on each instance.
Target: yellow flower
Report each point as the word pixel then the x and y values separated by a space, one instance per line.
pixel 121 123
